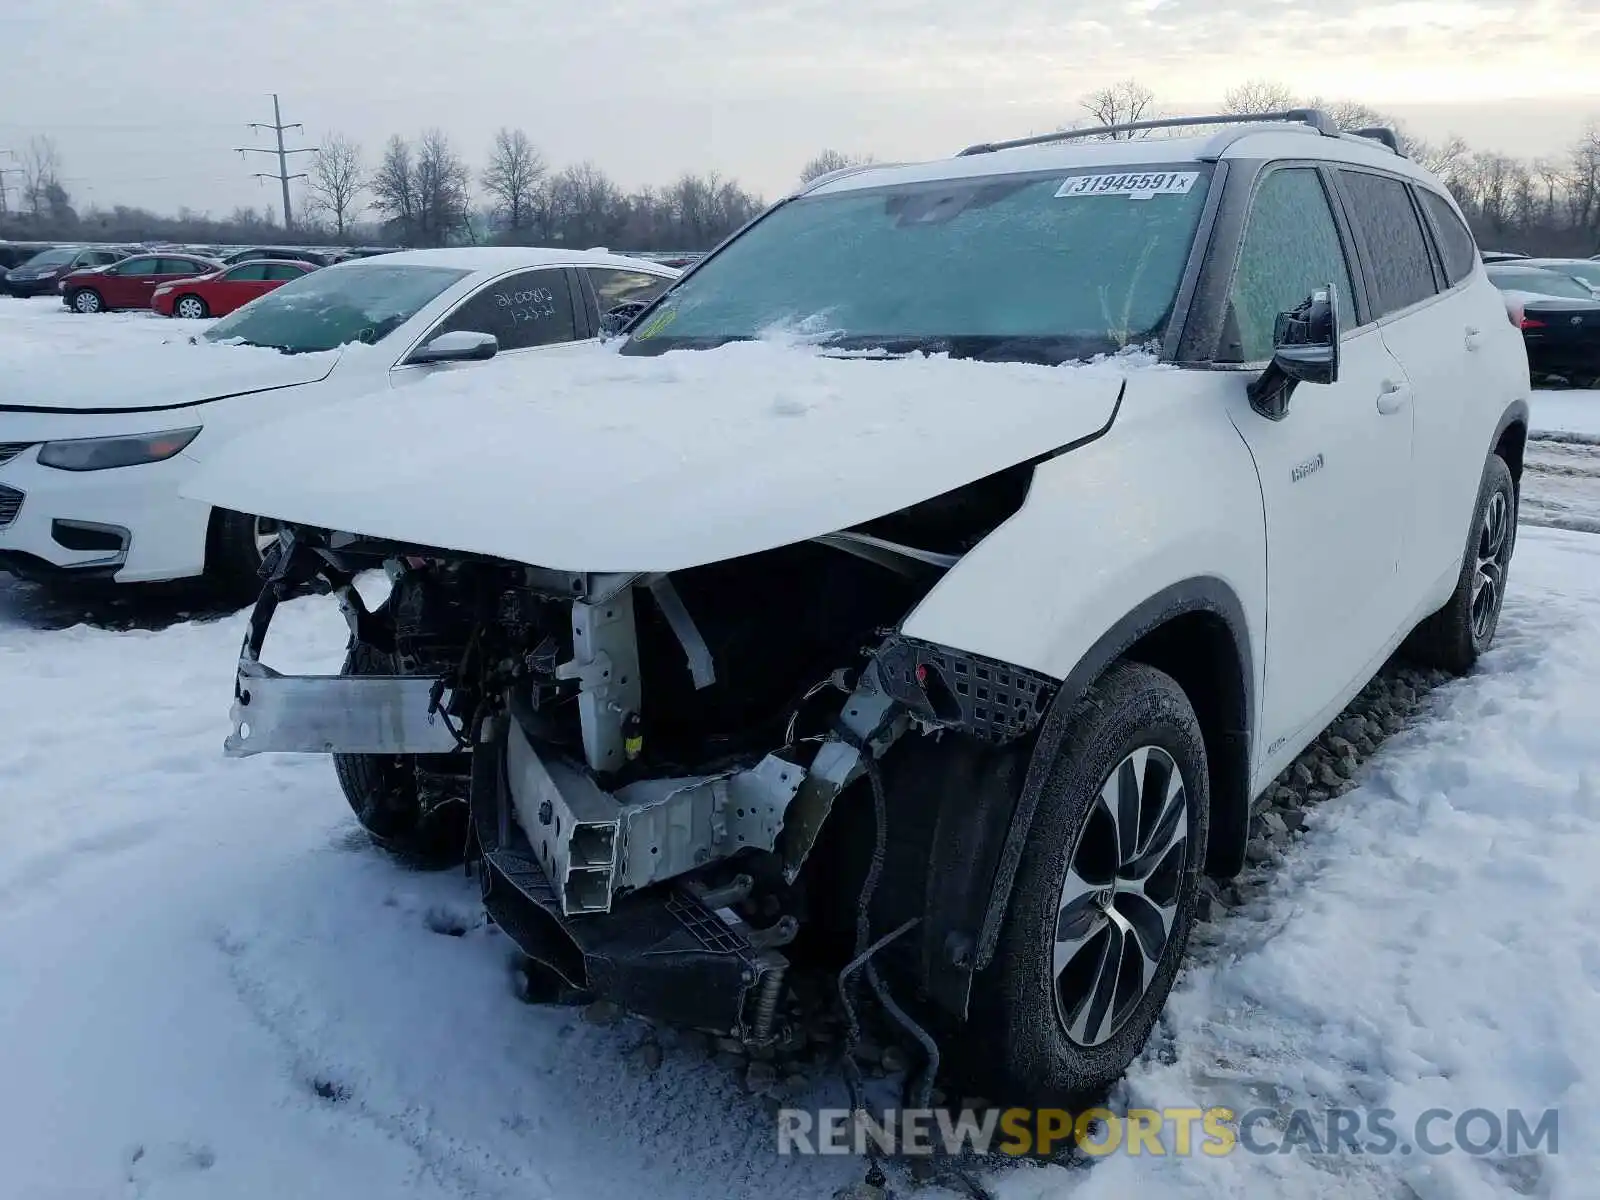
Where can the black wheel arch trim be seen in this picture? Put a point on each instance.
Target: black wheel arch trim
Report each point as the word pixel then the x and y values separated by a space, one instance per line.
pixel 1516 413
pixel 981 831
pixel 1200 594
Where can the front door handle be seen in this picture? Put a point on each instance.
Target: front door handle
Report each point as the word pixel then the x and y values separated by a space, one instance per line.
pixel 1472 337
pixel 1393 397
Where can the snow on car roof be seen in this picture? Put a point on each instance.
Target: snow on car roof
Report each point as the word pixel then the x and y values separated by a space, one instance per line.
pixel 505 258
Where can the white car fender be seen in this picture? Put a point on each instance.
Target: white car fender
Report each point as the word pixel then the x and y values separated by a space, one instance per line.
pixel 1040 592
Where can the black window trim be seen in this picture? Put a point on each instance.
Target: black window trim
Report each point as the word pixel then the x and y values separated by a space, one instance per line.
pixel 1338 170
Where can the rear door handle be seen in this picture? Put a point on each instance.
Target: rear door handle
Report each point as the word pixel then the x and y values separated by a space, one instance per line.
pixel 1472 337
pixel 1393 397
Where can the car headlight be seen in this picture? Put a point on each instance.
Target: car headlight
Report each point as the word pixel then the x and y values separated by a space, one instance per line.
pixel 100 454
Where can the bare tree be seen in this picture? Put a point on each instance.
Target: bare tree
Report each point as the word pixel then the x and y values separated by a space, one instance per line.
pixel 1120 104
pixel 585 207
pixel 1258 96
pixel 1443 158
pixel 41 175
pixel 336 181
pixel 394 187
pixel 515 171
pixel 829 161
pixel 443 189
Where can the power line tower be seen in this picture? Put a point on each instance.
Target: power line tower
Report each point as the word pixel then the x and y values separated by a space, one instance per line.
pixel 5 188
pixel 283 176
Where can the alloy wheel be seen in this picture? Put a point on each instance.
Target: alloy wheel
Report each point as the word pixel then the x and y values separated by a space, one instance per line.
pixel 191 309
pixel 86 302
pixel 1120 895
pixel 1494 552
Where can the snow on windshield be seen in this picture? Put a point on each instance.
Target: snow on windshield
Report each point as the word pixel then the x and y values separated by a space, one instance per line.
pixel 336 306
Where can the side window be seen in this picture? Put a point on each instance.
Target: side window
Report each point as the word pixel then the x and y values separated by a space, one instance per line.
pixel 1291 248
pixel 249 273
pixel 1397 250
pixel 532 308
pixel 137 266
pixel 1460 252
pixel 106 257
pixel 180 266
pixel 613 287
pixel 284 271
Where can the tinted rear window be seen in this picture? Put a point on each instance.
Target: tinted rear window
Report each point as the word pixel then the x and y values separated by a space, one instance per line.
pixel 1397 254
pixel 1456 246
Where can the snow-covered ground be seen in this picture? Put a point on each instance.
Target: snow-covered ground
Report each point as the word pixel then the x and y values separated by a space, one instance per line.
pixel 35 331
pixel 212 986
pixel 1566 411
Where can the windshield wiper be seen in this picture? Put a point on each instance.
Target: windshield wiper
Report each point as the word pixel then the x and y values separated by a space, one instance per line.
pixel 1050 351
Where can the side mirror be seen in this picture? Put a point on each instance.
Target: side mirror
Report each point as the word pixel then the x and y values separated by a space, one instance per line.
pixel 462 345
pixel 1305 344
pixel 615 320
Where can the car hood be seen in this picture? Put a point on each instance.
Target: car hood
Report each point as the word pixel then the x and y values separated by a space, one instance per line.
pixel 153 378
pixel 600 462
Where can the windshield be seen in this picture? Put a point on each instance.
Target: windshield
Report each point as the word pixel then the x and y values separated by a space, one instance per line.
pixel 52 258
pixel 331 308
pixel 1543 283
pixel 1039 269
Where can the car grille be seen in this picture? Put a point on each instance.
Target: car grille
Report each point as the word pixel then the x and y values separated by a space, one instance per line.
pixel 10 504
pixel 9 450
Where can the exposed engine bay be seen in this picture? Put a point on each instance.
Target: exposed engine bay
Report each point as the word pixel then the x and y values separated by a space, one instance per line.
pixel 642 764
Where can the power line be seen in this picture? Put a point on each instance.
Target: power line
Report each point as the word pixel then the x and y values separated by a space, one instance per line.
pixel 283 176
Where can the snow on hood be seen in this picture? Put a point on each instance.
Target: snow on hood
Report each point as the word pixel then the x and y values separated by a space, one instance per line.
pixel 169 375
pixel 604 462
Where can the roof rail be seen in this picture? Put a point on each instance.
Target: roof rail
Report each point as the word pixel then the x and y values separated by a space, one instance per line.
pixel 1380 133
pixel 1313 117
pixel 812 185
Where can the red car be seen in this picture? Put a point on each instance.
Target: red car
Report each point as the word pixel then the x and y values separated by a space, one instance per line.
pixel 218 294
pixel 129 283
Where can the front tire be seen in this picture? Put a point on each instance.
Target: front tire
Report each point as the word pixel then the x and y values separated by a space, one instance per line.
pixel 1464 628
pixel 235 546
pixel 381 790
pixel 190 308
pixel 1104 895
pixel 87 300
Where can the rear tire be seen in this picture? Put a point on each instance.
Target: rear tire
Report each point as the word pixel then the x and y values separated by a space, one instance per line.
pixel 190 308
pixel 1049 1026
pixel 382 792
pixel 1464 628
pixel 87 300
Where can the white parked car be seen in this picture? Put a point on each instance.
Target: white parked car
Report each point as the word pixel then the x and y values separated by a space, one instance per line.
pixel 1013 522
pixel 92 454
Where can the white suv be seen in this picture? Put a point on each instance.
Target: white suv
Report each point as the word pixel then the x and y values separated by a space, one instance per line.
pixel 1058 496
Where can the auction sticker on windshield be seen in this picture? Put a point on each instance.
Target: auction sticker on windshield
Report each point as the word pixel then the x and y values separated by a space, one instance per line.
pixel 1138 185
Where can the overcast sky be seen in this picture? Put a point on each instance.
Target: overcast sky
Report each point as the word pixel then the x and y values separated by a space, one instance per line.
pixel 146 98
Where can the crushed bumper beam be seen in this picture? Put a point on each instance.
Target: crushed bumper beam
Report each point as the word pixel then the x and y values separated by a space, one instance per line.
pixel 328 714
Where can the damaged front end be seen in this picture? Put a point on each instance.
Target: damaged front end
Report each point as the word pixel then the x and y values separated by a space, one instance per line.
pixel 641 765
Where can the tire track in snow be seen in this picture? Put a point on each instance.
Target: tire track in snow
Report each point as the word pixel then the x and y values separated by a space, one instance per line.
pixel 1561 482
